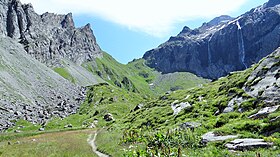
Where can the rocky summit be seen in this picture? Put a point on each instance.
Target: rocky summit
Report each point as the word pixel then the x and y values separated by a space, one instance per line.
pixel 48 37
pixel 222 45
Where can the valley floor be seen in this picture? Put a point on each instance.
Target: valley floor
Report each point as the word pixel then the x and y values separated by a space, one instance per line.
pixel 55 144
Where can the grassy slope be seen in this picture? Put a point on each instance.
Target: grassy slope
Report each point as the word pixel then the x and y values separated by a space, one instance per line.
pixel 139 78
pixel 151 124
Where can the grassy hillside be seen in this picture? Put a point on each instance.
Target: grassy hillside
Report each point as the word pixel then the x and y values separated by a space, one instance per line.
pixel 139 78
pixel 156 129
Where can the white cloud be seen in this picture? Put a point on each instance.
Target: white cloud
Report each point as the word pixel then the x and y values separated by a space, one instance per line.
pixel 155 17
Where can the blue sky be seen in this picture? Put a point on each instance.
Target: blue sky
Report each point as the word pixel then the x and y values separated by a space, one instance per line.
pixel 126 29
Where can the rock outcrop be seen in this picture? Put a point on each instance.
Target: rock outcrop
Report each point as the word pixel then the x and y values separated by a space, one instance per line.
pixel 221 46
pixel 247 144
pixel 264 82
pixel 48 37
pixel 264 112
pixel 212 137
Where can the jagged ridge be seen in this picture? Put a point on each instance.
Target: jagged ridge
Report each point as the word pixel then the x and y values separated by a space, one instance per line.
pixel 48 37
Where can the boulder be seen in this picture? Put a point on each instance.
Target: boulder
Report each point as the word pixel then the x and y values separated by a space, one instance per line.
pixel 108 117
pixel 178 107
pixel 17 131
pixel 68 126
pixel 264 112
pixel 247 144
pixel 190 125
pixel 232 102
pixel 138 107
pixel 212 137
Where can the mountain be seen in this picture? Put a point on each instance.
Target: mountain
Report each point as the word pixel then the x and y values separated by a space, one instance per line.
pixel 52 39
pixel 222 45
pixel 31 91
pixel 48 37
pixel 38 54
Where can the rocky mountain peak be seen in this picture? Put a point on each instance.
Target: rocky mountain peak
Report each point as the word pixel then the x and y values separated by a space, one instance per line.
pixel 68 21
pixel 272 3
pixel 214 22
pixel 48 37
pixel 218 20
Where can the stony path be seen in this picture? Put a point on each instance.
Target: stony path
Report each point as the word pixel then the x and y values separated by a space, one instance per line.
pixel 91 141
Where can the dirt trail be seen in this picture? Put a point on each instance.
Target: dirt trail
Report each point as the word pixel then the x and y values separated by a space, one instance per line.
pixel 91 141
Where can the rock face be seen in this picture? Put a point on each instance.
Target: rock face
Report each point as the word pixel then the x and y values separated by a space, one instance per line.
pixel 264 82
pixel 30 90
pixel 222 45
pixel 47 37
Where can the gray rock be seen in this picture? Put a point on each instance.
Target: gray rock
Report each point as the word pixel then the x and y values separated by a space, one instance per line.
pixel 275 119
pixel 228 109
pixel 264 112
pixel 235 101
pixel 211 137
pixel 92 125
pixel 108 117
pixel 68 126
pixel 138 107
pixel 217 48
pixel 264 82
pixel 178 107
pixel 190 125
pixel 247 144
pixel 17 131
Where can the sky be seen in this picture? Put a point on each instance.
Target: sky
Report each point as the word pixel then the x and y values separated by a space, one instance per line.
pixel 126 29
